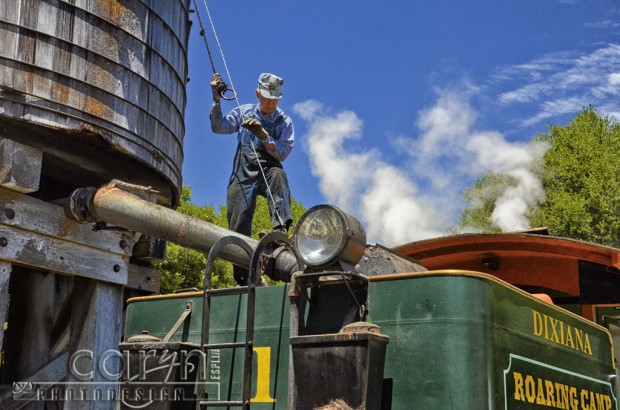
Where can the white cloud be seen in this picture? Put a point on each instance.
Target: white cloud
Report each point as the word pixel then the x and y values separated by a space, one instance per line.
pixel 360 182
pixel 446 156
pixel 340 172
pixel 603 24
pixel 564 83
pixel 555 108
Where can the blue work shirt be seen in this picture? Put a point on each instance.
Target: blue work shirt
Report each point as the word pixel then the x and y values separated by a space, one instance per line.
pixel 273 149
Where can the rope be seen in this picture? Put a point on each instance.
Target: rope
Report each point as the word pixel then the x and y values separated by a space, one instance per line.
pixel 217 40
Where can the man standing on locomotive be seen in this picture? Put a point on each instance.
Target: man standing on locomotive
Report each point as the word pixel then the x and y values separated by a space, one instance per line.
pixel 265 138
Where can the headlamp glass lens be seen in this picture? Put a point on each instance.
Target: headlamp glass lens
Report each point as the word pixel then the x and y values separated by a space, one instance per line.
pixel 320 236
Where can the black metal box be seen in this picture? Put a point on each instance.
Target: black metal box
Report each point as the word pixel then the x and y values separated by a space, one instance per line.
pixel 347 366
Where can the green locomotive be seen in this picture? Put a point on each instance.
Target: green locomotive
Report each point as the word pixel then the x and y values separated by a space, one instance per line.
pixel 371 326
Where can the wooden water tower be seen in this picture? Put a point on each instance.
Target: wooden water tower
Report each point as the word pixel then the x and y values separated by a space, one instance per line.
pixel 90 91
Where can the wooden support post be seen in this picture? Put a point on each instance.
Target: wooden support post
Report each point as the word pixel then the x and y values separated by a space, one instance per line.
pixel 44 379
pixel 95 335
pixel 20 166
pixel 27 338
pixel 5 275
pixel 143 278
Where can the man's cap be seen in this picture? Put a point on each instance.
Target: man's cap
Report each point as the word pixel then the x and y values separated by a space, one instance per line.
pixel 270 86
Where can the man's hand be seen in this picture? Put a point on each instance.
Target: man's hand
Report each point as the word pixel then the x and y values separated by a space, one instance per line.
pixel 216 86
pixel 255 127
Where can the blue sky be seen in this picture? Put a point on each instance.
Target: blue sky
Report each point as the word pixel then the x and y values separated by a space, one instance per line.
pixel 400 105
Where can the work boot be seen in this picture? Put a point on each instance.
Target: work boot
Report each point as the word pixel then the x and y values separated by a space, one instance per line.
pixel 264 232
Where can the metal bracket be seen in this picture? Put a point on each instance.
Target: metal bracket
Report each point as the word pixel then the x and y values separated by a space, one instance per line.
pixel 177 325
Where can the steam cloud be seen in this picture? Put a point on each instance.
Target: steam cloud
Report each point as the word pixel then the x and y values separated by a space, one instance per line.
pixel 420 198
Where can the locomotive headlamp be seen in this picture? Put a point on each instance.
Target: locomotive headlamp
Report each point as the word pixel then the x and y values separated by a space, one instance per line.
pixel 325 235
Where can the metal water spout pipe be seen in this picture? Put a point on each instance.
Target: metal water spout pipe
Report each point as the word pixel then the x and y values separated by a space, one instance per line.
pixel 118 207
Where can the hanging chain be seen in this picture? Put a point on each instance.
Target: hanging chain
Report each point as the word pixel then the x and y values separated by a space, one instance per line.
pixel 235 97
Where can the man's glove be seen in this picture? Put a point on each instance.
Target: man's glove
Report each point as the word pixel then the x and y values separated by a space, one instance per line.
pixel 217 84
pixel 255 127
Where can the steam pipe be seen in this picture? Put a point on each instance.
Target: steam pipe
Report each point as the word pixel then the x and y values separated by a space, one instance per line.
pixel 121 208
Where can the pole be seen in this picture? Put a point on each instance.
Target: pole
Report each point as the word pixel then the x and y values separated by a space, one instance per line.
pixel 121 208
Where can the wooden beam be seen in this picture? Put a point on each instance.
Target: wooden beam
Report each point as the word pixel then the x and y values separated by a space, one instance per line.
pixel 44 252
pixel 45 378
pixel 143 278
pixel 5 276
pixel 95 329
pixel 38 234
pixel 32 214
pixel 20 166
pixel 27 337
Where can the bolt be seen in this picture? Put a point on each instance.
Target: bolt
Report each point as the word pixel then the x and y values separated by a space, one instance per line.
pixel 117 268
pixel 9 213
pixel 3 242
pixel 122 244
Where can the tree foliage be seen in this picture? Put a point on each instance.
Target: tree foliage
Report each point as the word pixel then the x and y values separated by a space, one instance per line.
pixel 580 177
pixel 482 197
pixel 184 267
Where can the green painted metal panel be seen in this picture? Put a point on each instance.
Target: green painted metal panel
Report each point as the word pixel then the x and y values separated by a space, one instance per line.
pixel 452 338
pixel 457 340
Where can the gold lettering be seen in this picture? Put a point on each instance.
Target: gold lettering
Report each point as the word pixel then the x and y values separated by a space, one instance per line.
pixel 592 401
pixel 586 346
pixel 530 389
pixel 537 319
pixel 600 401
pixel 562 395
pixel 607 402
pixel 557 331
pixel 540 398
pixel 519 395
pixel 573 398
pixel 584 397
pixel 554 330
pixel 550 393
pixel 579 338
pixel 263 377
pixel 569 338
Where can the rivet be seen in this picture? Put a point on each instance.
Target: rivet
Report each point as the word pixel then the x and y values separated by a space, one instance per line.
pixel 117 268
pixel 9 213
pixel 3 242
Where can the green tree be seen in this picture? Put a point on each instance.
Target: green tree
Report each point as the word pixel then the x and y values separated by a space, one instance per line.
pixel 184 267
pixel 580 177
pixel 482 197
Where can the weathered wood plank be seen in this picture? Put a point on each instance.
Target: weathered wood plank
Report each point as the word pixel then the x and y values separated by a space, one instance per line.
pixel 31 214
pixel 29 327
pixel 96 328
pixel 53 372
pixel 38 234
pixel 5 276
pixel 20 166
pixel 143 278
pixel 44 252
